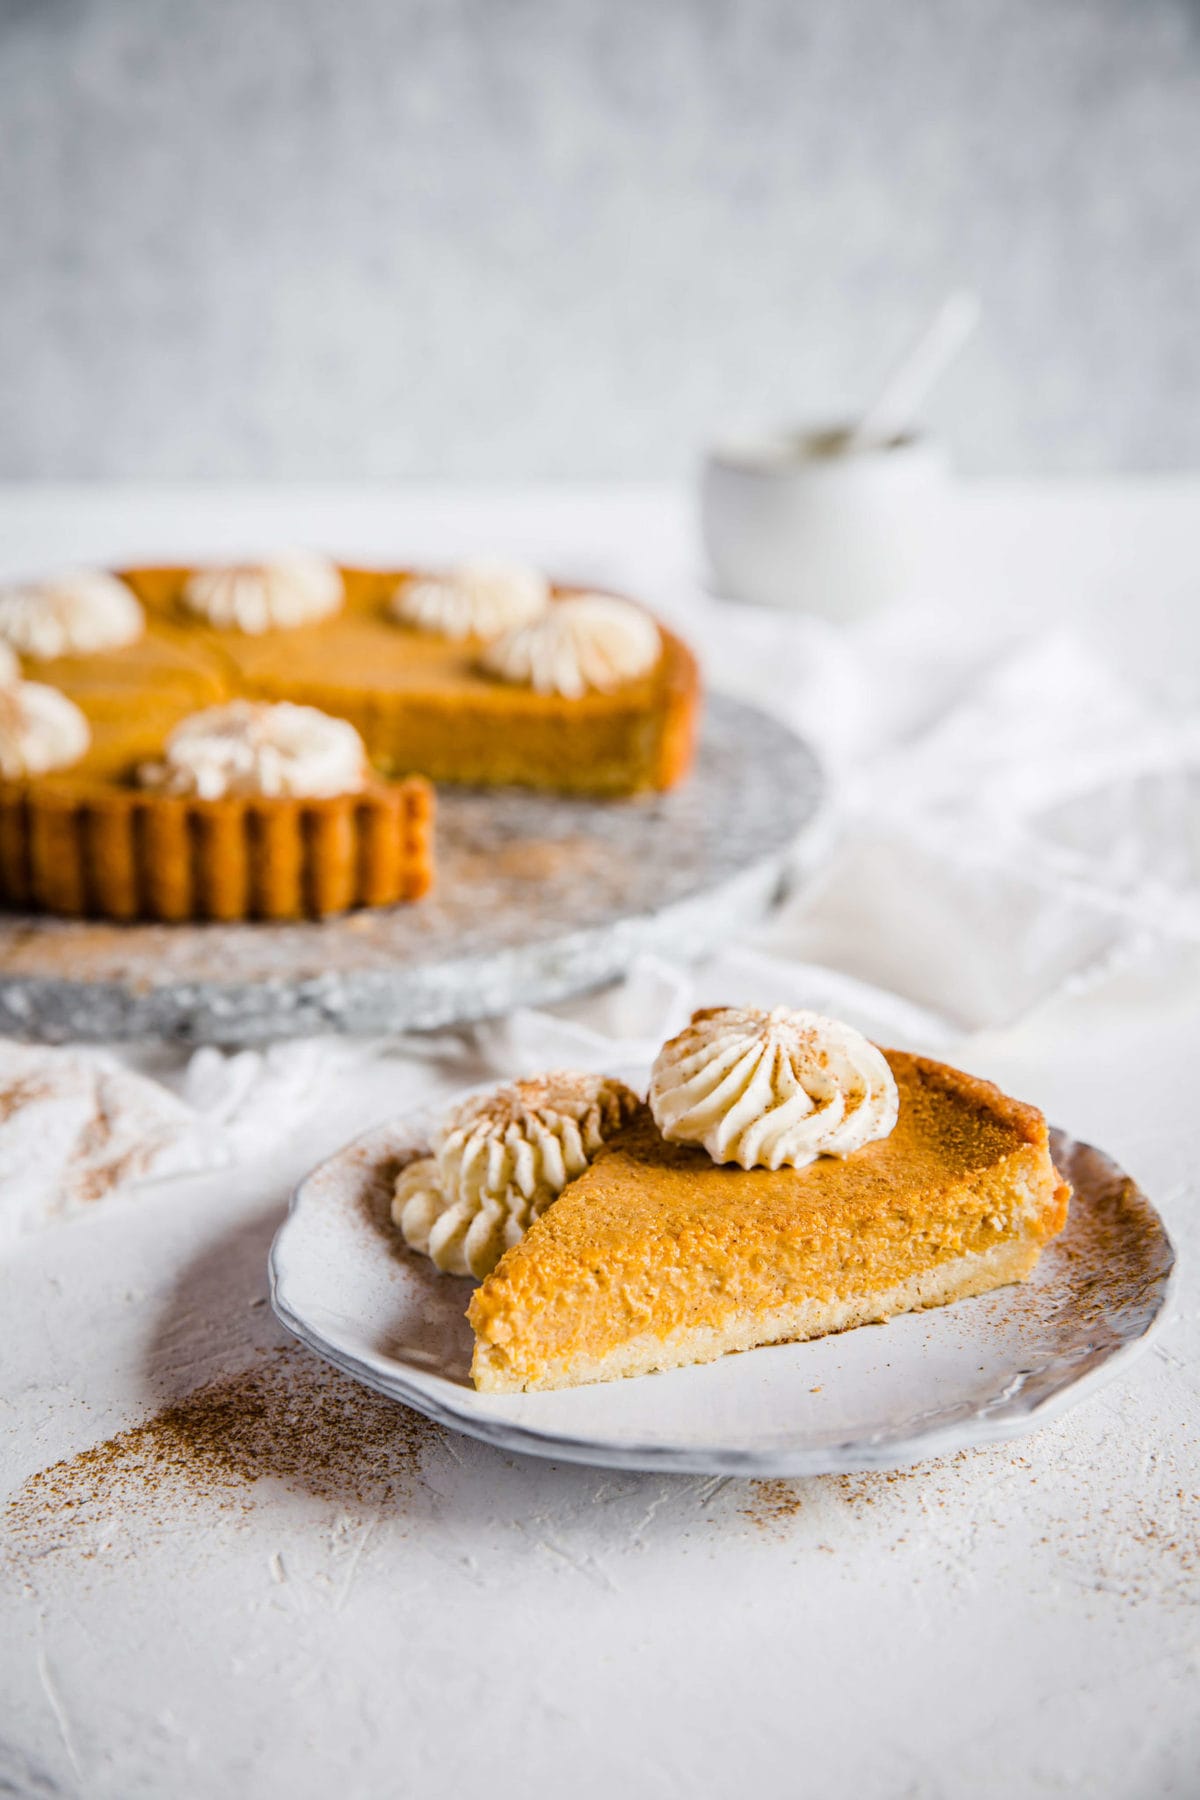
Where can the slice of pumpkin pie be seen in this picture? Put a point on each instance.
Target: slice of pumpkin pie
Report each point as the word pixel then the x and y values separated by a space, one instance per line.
pixel 786 1179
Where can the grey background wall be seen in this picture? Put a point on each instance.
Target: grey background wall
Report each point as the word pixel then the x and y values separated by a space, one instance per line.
pixel 499 238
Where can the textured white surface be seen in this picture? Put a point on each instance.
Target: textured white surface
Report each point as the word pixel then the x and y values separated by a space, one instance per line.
pixel 461 239
pixel 430 1616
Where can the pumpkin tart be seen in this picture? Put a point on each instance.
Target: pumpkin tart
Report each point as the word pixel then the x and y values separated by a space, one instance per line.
pixel 424 707
pixel 656 1256
pixel 89 841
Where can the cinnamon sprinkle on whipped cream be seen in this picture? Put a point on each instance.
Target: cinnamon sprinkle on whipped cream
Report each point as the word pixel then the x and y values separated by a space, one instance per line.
pixel 500 1159
pixel 40 730
pixel 765 1089
pixel 278 595
pixel 588 643
pixel 75 613
pixel 481 597
pixel 252 747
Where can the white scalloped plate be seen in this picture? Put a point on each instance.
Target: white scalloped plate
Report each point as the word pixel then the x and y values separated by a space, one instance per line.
pixel 926 1384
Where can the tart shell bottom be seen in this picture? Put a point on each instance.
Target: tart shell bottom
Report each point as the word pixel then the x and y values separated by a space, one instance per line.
pixel 125 855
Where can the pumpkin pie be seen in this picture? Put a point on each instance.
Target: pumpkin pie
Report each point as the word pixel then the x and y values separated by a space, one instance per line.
pixel 662 1253
pixel 89 840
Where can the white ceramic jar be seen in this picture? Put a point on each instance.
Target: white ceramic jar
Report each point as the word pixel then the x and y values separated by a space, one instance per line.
pixel 817 524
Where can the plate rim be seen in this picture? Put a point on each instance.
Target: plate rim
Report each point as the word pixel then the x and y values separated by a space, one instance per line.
pixel 851 1456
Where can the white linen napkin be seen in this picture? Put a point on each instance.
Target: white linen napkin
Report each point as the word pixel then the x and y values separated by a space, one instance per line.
pixel 77 1126
pixel 1043 830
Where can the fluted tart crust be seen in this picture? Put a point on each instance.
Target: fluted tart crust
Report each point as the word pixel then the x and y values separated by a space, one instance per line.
pixel 120 853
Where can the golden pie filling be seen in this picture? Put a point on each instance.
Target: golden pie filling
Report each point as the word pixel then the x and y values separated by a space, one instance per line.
pixel 657 1256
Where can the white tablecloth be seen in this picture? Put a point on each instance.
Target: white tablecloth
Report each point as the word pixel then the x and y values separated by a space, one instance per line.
pixel 281 1584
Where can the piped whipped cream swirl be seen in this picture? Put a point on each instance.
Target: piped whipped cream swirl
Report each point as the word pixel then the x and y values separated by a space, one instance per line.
pixel 77 613
pixel 40 730
pixel 252 747
pixel 764 1089
pixel 266 596
pixel 499 1161
pixel 482 597
pixel 589 643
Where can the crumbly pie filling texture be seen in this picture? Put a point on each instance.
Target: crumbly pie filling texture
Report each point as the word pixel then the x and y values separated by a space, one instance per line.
pixel 88 841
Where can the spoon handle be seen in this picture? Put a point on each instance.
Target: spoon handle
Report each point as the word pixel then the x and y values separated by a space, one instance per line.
pixel 915 374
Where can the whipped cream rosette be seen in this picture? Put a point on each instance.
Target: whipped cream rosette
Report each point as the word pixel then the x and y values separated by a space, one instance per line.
pixel 764 1089
pixel 275 595
pixel 40 730
pixel 589 643
pixel 499 1161
pixel 76 613
pixel 481 597
pixel 250 747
